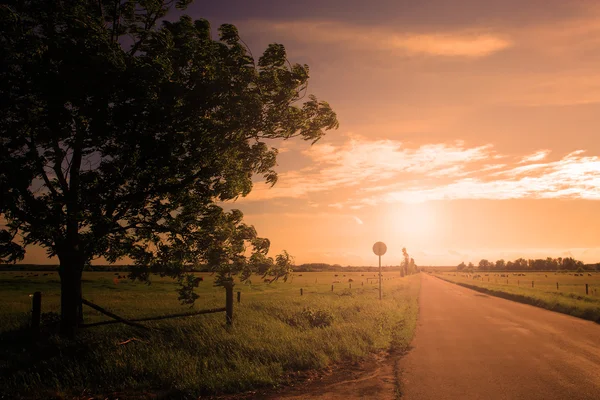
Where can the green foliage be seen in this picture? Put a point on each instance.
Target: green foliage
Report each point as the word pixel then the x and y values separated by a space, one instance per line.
pixel 311 318
pixel 520 264
pixel 195 356
pixel 120 135
pixel 569 299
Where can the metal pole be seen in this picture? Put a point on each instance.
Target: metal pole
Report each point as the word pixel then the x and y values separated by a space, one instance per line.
pixel 379 277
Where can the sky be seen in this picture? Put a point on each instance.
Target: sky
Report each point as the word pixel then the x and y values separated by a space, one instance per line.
pixel 468 129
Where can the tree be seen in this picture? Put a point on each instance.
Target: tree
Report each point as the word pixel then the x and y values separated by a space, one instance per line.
pixel 412 267
pixel 484 265
pixel 121 133
pixel 461 266
pixel 405 262
pixel 500 265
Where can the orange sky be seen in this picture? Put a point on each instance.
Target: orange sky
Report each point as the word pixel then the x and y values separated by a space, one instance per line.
pixel 468 129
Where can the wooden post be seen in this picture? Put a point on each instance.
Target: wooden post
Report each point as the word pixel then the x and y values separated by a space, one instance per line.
pixel 531 283
pixel 36 311
pixel 586 288
pixel 556 285
pixel 239 297
pixel 301 292
pixel 351 285
pixel 229 303
pixel 332 288
pixel 380 278
pixel 362 284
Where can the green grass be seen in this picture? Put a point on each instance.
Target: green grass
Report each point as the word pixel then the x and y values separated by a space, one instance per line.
pixel 570 297
pixel 272 339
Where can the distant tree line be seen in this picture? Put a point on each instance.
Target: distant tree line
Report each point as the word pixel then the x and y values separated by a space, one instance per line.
pixel 308 267
pixel 521 264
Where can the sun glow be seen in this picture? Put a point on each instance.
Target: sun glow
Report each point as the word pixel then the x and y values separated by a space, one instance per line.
pixel 415 221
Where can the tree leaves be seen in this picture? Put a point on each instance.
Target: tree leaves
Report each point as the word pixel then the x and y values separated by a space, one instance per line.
pixel 120 134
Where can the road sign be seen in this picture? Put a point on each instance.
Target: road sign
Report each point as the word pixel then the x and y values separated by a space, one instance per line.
pixel 379 248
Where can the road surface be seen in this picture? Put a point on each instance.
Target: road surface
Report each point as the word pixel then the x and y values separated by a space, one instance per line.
pixel 472 346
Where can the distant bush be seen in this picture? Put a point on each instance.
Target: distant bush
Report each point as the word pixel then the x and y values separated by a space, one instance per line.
pixel 311 318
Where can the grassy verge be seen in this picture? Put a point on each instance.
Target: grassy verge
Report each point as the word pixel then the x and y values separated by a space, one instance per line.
pixel 586 307
pixel 276 334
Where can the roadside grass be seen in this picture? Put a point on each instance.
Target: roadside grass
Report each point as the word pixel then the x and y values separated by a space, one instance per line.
pixel 569 299
pixel 276 334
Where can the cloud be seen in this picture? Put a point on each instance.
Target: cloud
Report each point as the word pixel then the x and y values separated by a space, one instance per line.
pixel 364 164
pixel 537 156
pixel 573 177
pixel 362 173
pixel 465 43
pixel 358 220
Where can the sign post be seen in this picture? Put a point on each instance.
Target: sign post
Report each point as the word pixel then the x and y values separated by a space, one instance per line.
pixel 379 249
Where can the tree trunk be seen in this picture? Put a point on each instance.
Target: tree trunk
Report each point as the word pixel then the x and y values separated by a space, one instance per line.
pixel 71 311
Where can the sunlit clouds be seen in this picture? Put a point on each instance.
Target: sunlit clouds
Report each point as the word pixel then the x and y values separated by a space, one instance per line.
pixel 467 43
pixel 364 172
pixel 537 156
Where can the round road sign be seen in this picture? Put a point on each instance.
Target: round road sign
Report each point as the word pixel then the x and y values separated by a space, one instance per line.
pixel 379 248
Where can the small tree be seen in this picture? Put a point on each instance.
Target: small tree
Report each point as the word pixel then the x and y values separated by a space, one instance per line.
pixel 484 265
pixel 405 261
pixel 119 136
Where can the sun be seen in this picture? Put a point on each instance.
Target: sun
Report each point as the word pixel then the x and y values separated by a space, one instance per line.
pixel 417 220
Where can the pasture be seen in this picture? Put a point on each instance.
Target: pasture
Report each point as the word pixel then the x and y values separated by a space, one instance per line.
pixel 276 334
pixel 539 288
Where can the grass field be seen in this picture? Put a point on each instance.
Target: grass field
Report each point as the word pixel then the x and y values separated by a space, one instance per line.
pixel 276 333
pixel 570 297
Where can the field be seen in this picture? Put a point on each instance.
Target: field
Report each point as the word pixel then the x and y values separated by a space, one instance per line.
pixel 276 334
pixel 569 297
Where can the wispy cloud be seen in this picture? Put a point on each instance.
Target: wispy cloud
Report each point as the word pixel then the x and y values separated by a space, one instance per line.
pixel 464 43
pixel 358 220
pixel 537 156
pixel 360 163
pixel 572 177
pixel 362 172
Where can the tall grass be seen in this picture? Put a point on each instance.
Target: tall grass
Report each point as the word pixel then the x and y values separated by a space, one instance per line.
pixel 276 333
pixel 566 301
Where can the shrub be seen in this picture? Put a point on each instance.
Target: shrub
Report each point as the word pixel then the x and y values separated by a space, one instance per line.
pixel 311 318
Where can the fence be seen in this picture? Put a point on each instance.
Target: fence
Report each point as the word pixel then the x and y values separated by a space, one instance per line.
pixel 543 284
pixel 36 312
pixel 116 319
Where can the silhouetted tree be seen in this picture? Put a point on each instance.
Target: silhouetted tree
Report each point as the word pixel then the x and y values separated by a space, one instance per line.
pixel 484 265
pixel 500 265
pixel 119 134
pixel 405 261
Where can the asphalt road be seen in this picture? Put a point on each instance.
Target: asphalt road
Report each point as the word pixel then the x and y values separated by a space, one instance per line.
pixel 472 346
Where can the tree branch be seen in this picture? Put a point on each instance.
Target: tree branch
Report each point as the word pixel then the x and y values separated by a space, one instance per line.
pixel 40 166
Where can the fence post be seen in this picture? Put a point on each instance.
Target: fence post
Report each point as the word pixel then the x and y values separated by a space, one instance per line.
pixel 556 285
pixel 239 297
pixel 332 288
pixel 301 292
pixel 351 285
pixel 362 284
pixel 518 283
pixel 586 288
pixel 531 283
pixel 36 311
pixel 229 303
